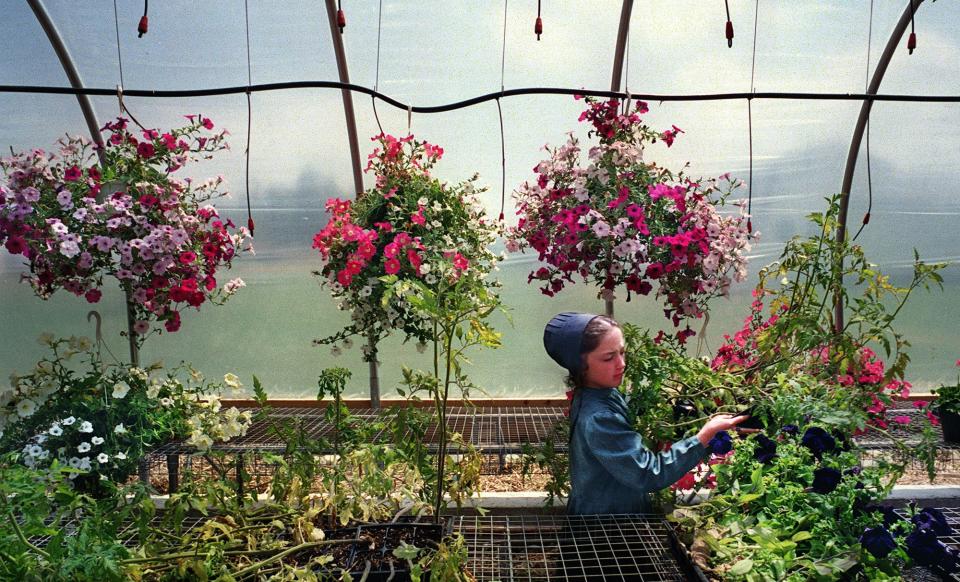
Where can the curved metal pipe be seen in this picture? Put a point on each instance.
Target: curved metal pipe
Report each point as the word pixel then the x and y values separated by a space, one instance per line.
pixel 93 126
pixel 624 29
pixel 858 131
pixel 66 61
pixel 344 73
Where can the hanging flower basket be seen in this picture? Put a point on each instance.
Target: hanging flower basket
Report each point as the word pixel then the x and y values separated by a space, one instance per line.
pixel 409 226
pixel 623 221
pixel 76 220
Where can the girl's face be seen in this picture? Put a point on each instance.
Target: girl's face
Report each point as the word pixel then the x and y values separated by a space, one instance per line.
pixel 605 365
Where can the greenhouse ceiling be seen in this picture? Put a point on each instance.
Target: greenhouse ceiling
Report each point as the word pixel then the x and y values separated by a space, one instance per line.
pixel 427 54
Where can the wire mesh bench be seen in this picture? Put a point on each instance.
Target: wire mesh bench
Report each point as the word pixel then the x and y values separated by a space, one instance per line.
pixel 499 433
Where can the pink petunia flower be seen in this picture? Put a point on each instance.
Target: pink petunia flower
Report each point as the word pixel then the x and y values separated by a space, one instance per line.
pixel 391 266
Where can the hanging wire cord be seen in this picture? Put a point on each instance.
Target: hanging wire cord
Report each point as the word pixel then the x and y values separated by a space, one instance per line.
pixel 246 153
pixel 753 70
pixel 43 89
pixel 866 217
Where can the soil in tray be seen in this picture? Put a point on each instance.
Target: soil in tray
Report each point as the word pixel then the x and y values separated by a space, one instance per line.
pixel 375 544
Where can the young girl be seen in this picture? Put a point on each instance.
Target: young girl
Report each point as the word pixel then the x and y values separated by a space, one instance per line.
pixel 610 469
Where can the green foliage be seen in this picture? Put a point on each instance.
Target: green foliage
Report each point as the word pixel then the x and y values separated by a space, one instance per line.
pixel 80 532
pixel 948 398
pixel 457 311
pixel 800 368
pixel 803 287
pixel 547 457
pixel 100 419
pixel 766 523
pixel 670 393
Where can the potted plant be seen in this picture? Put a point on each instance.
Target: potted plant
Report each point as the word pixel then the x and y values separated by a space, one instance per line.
pixel 98 421
pixel 947 407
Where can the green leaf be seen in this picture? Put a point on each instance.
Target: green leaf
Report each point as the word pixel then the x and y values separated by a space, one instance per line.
pixel 742 567
pixel 801 535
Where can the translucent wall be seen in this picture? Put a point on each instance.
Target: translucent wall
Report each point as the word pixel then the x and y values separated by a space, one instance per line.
pixel 432 53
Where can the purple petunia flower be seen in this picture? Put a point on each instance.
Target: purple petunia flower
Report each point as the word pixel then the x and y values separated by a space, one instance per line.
pixel 818 441
pixel 925 549
pixel 825 480
pixel 878 541
pixel 721 443
pixel 766 449
pixel 931 518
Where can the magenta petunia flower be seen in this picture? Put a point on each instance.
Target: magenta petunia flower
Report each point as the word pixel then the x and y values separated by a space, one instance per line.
pixel 145 149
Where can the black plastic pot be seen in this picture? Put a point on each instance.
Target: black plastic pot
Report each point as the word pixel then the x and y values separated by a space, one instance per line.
pixel 950 421
pixel 375 544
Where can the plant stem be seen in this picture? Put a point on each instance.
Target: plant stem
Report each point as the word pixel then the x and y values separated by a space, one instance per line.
pixel 23 538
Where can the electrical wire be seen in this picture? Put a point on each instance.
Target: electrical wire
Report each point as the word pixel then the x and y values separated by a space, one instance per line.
pixel 246 18
pixel 376 79
pixel 233 90
pixel 866 217
pixel 753 70
pixel 503 141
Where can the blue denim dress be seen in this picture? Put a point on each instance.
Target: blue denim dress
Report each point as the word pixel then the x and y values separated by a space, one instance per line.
pixel 610 469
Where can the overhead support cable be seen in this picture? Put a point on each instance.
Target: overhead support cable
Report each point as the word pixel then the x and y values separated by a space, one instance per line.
pixel 180 93
pixel 871 95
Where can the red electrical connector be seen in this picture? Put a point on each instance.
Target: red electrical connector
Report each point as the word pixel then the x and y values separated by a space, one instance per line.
pixel 912 42
pixel 729 34
pixel 538 25
pixel 142 27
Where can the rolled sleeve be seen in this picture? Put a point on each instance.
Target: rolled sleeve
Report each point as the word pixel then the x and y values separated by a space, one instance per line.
pixel 620 450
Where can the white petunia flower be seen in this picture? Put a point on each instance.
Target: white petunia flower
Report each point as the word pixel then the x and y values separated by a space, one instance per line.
pixel 232 381
pixel 166 402
pixel 103 458
pixel 69 420
pixel 119 429
pixel 120 389
pixel 55 430
pixel 83 447
pixel 26 408
pixel 97 440
pixel 121 456
pixel 85 426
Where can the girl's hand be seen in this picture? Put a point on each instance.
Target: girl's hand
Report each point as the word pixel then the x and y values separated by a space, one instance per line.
pixel 717 424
